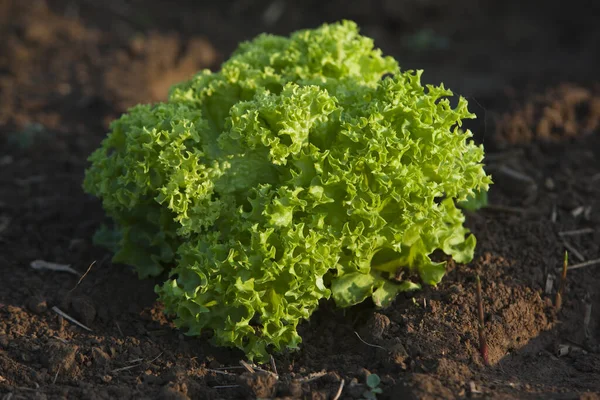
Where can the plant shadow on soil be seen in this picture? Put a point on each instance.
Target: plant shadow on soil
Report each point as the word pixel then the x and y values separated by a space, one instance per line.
pixel 64 77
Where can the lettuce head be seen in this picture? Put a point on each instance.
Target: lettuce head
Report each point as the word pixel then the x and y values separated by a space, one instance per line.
pixel 308 167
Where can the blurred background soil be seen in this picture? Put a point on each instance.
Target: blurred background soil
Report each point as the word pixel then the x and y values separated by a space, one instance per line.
pixel 530 73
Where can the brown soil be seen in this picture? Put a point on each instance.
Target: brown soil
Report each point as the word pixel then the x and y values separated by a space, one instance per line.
pixel 560 112
pixel 69 67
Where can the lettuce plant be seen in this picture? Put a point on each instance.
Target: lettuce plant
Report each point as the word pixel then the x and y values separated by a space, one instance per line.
pixel 308 167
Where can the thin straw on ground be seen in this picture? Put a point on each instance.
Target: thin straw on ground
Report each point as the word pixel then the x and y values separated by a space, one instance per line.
pixel 41 265
pixel 576 232
pixel 69 318
pixel 583 264
pixel 368 344
pixel 339 391
pixel 83 276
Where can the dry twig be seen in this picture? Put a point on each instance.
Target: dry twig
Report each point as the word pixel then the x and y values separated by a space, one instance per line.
pixel 41 264
pixel 584 264
pixel 119 328
pixel 216 371
pixel 576 232
pixel 68 317
pixel 312 377
pixel 83 276
pixel 368 344
pixel 141 362
pixel 156 358
pixel 125 368
pixel 253 368
pixel 60 339
pixel 516 175
pixel 273 366
pixel 339 391
pixel 56 376
pixel 247 366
